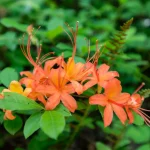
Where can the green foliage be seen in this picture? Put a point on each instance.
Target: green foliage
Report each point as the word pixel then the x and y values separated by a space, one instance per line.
pixel 63 110
pixel 145 93
pixel 32 124
pixel 97 20
pixel 116 42
pixel 52 123
pixel 15 101
pixel 7 75
pixel 138 120
pixel 13 126
pixel 101 146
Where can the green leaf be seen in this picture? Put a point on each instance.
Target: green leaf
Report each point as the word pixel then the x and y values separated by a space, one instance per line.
pixel 134 133
pixel 101 146
pixel 79 59
pixel 52 123
pixel 138 120
pixel 81 105
pixel 101 110
pixel 144 147
pixel 15 101
pixel 122 143
pixel 12 126
pixel 63 110
pixel 7 75
pixel 51 34
pixel 1 88
pixel 12 23
pixel 32 124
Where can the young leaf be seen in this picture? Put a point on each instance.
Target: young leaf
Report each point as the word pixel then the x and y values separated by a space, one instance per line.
pixel 52 123
pixel 12 126
pixel 32 124
pixel 115 43
pixel 7 75
pixel 15 101
pixel 145 93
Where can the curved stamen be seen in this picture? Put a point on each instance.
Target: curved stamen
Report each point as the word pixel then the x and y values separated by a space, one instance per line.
pixel 144 109
pixel 147 121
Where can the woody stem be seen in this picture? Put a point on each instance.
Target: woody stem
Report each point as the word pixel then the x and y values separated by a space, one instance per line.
pixel 77 129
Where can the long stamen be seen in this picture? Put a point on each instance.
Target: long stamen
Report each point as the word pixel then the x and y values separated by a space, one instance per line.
pixel 39 50
pixel 139 88
pixel 69 37
pixel 43 58
pixel 88 43
pixel 147 121
pixel 144 114
pixel 144 109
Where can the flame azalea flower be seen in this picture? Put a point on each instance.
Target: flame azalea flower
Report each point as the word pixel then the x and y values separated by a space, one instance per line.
pixel 40 75
pixel 134 104
pixel 75 72
pixel 59 90
pixel 112 100
pixel 15 86
pixel 100 76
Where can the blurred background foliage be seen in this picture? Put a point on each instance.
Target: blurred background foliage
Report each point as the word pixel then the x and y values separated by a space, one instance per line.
pixel 98 19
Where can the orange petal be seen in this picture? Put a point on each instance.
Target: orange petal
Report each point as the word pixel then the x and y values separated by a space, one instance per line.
pixel 27 91
pixel 45 89
pixel 70 66
pixel 41 99
pixel 130 116
pixel 26 73
pixel 26 81
pixel 108 115
pixel 89 84
pixel 120 112
pixel 69 89
pixel 50 63
pixel 122 98
pixel 109 75
pixel 9 115
pixel 78 87
pixel 98 99
pixel 103 69
pixel 15 86
pixel 137 98
pixel 113 88
pixel 53 101
pixel 69 101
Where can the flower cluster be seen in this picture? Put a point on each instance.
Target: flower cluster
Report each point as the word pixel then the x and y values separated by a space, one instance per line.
pixel 57 80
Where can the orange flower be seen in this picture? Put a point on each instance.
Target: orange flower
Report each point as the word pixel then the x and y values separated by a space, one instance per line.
pixel 15 86
pixel 134 104
pixel 39 76
pixel 75 72
pixel 113 100
pixel 58 90
pixel 100 76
